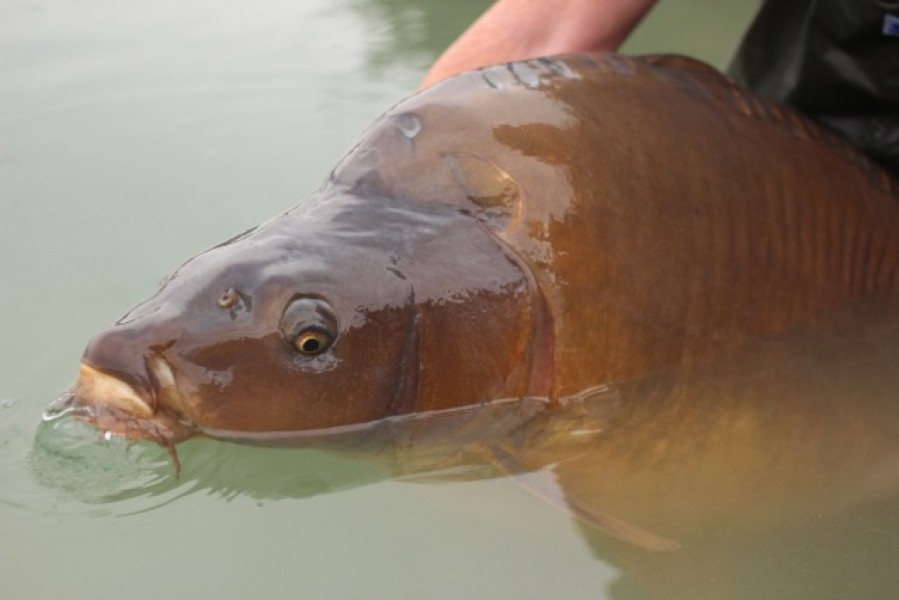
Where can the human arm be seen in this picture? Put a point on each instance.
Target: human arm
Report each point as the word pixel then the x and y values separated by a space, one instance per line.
pixel 519 29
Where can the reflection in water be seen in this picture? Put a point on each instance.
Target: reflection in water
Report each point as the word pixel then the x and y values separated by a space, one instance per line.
pixel 77 461
pixel 128 476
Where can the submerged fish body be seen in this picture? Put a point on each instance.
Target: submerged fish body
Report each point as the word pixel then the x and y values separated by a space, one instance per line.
pixel 533 230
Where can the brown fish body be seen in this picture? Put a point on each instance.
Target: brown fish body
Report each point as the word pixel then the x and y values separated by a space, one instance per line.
pixel 533 230
pixel 664 214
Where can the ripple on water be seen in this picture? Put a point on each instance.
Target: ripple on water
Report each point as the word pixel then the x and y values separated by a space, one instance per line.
pixel 81 465
pixel 80 470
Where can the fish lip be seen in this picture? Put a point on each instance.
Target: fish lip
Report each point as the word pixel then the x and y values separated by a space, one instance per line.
pixel 101 390
pixel 141 397
pixel 116 406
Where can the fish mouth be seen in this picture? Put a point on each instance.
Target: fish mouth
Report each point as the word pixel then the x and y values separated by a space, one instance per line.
pixel 118 407
pixel 97 389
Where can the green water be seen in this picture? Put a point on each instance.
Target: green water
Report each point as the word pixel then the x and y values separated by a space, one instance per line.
pixel 134 135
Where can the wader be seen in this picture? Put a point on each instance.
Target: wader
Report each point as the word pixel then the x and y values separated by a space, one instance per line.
pixel 835 60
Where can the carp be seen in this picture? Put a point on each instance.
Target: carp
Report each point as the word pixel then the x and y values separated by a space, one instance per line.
pixel 514 236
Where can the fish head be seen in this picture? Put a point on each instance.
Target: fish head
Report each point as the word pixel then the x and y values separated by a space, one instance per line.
pixel 303 323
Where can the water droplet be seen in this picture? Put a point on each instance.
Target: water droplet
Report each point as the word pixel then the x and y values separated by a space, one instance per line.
pixel 409 124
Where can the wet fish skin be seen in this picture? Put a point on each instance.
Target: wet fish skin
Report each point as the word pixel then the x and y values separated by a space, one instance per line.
pixel 532 229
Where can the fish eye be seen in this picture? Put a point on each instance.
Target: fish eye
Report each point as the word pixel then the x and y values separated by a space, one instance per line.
pixel 309 326
pixel 312 341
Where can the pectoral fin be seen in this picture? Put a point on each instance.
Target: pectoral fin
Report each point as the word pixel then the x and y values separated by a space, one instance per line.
pixel 544 485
